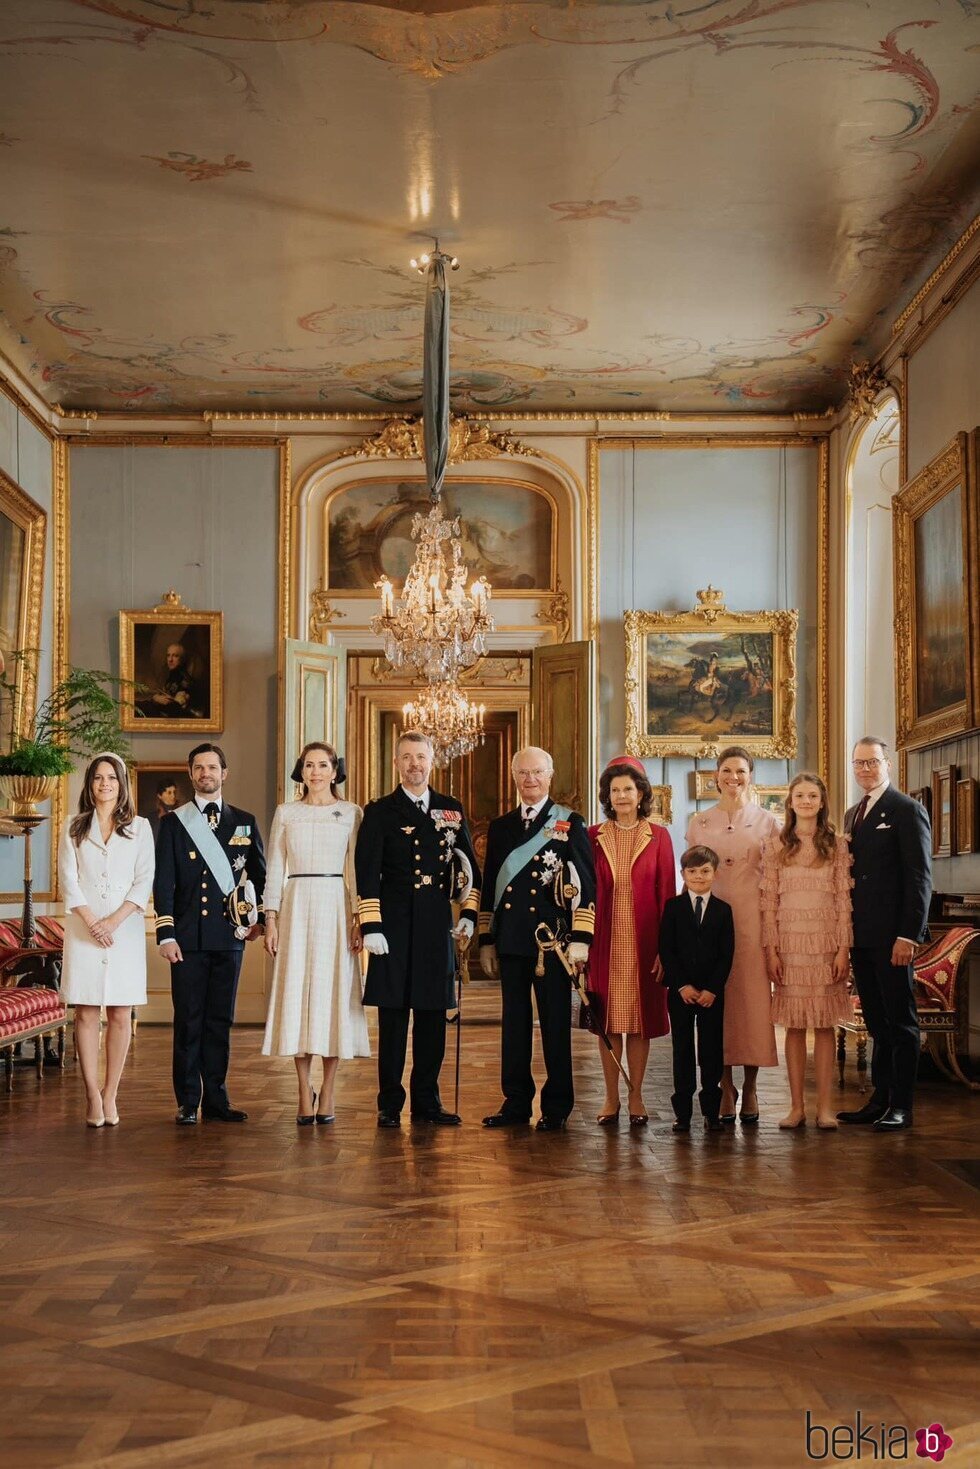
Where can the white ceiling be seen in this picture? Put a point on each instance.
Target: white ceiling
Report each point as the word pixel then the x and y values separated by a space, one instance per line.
pixel 694 204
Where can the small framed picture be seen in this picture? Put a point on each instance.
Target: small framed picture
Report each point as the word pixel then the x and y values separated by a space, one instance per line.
pixel 159 788
pixel 966 816
pixel 662 810
pixel 944 811
pixel 175 657
pixel 704 785
pixel 924 797
pixel 772 798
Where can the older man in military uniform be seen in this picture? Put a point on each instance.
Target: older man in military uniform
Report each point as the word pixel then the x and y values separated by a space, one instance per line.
pixel 413 856
pixel 207 851
pixel 539 869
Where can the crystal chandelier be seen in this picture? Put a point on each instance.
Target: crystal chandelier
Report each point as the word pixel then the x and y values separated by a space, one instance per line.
pixel 452 722
pixel 437 627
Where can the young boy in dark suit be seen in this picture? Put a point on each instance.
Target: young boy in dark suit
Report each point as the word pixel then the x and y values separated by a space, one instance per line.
pixel 697 945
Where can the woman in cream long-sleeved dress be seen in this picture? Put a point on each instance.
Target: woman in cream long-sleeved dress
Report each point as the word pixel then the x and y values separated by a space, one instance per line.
pixel 312 932
pixel 105 863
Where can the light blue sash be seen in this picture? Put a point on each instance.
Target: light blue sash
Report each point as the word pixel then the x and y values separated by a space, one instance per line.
pixel 195 823
pixel 521 856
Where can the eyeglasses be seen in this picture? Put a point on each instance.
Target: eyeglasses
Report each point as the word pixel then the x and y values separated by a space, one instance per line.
pixel 867 764
pixel 531 774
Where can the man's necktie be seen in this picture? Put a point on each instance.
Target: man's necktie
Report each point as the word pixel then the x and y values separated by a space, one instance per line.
pixel 211 812
pixel 528 818
pixel 860 814
pixel 698 910
pixel 420 803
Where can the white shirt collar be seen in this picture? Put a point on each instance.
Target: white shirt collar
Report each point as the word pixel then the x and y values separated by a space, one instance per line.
pixel 534 811
pixel 694 898
pixel 875 794
pixel 203 802
pixel 424 798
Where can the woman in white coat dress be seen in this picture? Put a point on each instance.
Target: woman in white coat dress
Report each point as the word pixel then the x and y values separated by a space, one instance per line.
pixel 312 932
pixel 105 861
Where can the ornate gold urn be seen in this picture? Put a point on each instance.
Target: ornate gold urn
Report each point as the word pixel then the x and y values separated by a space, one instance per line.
pixel 25 791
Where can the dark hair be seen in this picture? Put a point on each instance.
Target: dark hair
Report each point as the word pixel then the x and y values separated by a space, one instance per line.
pixel 644 787
pixel 166 785
pixel 824 838
pixel 123 811
pixel 331 755
pixel 735 752
pixel 207 749
pixel 871 740
pixel 700 857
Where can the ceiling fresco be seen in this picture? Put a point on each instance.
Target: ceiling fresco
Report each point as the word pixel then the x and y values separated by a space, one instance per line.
pixel 689 204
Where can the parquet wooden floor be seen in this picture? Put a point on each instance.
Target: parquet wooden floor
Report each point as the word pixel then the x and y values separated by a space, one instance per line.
pixel 266 1295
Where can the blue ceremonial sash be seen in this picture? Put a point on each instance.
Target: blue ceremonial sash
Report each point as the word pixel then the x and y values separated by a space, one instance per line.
pixel 522 855
pixel 195 823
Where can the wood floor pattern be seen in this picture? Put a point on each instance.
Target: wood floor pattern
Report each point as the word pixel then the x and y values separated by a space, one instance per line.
pixel 269 1296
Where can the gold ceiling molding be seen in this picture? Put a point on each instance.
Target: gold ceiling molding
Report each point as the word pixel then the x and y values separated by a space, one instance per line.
pixel 401 438
pixel 865 387
pixel 944 265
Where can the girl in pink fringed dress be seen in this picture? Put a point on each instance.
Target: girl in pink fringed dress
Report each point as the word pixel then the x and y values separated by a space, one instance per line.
pixel 806 930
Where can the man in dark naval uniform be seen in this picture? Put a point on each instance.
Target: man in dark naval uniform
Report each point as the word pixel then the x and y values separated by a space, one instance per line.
pixel 207 850
pixel 539 869
pixel 413 856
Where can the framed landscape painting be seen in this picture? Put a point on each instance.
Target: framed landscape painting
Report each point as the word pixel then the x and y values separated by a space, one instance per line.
pixel 696 681
pixel 934 566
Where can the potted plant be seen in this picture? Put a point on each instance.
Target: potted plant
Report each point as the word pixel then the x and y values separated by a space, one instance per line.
pixel 79 716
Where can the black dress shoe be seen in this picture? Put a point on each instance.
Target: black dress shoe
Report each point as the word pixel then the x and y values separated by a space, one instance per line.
pixel 504 1119
pixel 389 1119
pixel 223 1114
pixel 870 1112
pixel 894 1120
pixel 680 1126
pixel 713 1124
pixel 550 1124
pixel 186 1116
pixel 440 1116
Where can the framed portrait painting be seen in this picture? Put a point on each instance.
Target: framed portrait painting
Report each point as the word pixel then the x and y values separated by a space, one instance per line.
pixel 935 565
pixel 174 657
pixel 159 788
pixel 23 526
pixel 508 531
pixel 696 681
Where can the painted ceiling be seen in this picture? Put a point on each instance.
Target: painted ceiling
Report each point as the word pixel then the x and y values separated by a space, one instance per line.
pixel 688 204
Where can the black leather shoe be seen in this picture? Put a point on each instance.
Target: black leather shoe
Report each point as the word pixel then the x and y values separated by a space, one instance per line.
pixel 894 1120
pixel 504 1119
pixel 870 1112
pixel 550 1124
pixel 713 1124
pixel 681 1126
pixel 389 1119
pixel 223 1114
pixel 186 1116
pixel 439 1116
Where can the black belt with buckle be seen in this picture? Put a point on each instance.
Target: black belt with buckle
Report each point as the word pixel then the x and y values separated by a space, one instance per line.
pixel 313 874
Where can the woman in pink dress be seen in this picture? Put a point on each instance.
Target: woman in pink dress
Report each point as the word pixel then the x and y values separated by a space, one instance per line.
pixel 806 929
pixel 635 875
pixel 737 828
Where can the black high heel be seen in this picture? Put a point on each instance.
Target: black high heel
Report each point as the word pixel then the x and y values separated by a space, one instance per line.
pixel 307 1119
pixel 728 1118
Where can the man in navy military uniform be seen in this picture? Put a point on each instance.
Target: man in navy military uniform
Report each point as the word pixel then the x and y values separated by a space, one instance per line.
pixel 539 869
pixel 413 856
pixel 204 849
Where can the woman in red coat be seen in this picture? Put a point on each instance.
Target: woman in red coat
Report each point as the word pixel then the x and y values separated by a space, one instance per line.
pixel 635 875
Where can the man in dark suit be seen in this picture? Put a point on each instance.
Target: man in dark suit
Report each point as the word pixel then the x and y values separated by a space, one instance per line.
pixel 413 857
pixel 891 845
pixel 203 851
pixel 539 869
pixel 697 946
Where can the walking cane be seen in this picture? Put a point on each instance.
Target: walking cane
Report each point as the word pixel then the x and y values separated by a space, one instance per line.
pixel 548 942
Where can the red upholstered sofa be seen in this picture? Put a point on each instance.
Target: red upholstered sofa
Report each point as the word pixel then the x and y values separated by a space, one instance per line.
pixel 31 1006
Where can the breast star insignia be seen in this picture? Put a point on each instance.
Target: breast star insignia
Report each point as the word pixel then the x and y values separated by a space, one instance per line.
pixel 238 863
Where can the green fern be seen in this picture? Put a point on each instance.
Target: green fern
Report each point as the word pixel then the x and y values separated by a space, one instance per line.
pixel 79 717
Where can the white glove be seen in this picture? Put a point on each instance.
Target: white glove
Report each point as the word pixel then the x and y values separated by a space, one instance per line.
pixel 375 943
pixel 464 929
pixel 488 961
pixel 578 953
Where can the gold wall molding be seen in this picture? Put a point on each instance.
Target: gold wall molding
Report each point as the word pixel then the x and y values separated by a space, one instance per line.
pixel 556 614
pixel 865 387
pixel 284 590
pixel 322 614
pixel 944 266
pixel 402 438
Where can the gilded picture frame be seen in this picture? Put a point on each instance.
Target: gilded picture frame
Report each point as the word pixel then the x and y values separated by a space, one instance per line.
pixel 697 681
pixel 772 798
pixel 662 805
pixel 175 657
pixel 935 600
pixel 966 816
pixel 944 811
pixel 23 531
